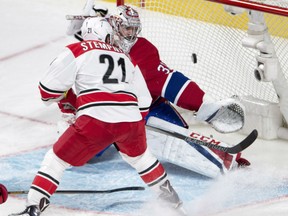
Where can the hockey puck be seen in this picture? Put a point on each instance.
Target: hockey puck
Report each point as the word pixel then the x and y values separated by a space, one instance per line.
pixel 3 194
pixel 194 58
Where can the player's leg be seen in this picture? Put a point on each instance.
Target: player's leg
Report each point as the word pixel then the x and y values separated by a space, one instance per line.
pixel 135 152
pixel 79 143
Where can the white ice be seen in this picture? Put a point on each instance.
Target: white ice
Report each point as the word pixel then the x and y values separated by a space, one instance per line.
pixel 33 33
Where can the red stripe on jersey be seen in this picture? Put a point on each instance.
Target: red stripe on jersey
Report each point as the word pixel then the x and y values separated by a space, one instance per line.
pixel 191 98
pixel 46 95
pixel 86 98
pixel 144 113
pixel 153 174
pixel 81 47
pixel 45 184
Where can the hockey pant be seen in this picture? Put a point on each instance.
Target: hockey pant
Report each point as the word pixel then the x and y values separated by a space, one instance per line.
pixel 79 143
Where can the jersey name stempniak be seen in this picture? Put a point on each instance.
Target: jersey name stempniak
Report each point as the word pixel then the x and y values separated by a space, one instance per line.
pixel 88 45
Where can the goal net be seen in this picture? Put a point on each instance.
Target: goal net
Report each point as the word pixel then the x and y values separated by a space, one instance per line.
pixel 224 66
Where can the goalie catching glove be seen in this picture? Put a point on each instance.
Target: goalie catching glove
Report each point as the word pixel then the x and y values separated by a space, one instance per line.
pixel 225 116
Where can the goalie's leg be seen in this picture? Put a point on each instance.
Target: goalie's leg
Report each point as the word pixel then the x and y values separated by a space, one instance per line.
pixel 200 159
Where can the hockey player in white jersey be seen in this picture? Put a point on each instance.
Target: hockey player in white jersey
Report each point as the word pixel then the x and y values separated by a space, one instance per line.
pixel 220 114
pixel 112 101
pixel 89 9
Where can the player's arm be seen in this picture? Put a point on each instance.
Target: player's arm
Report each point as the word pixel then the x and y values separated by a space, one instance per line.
pixel 59 78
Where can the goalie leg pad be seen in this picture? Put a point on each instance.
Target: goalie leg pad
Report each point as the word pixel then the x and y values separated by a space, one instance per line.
pixel 196 158
pixel 180 153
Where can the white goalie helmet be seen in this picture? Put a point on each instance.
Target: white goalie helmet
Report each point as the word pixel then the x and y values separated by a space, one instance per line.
pixel 97 28
pixel 126 25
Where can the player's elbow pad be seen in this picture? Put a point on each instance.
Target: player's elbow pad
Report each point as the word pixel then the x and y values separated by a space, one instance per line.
pixel 48 96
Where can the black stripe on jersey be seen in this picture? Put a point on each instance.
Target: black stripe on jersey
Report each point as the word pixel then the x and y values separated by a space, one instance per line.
pixel 88 90
pixel 149 168
pixel 107 104
pixel 158 180
pixel 116 92
pixel 49 177
pixel 40 191
pixel 144 108
pixel 50 90
pixel 50 98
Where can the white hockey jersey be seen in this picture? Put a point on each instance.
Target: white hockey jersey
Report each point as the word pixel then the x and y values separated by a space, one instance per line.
pixel 108 86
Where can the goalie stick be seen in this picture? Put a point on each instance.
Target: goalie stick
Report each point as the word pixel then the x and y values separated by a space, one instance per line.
pixel 85 191
pixel 199 140
pixel 4 192
pixel 77 17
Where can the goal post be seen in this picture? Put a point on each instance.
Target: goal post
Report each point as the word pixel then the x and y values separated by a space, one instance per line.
pixel 277 7
pixel 241 48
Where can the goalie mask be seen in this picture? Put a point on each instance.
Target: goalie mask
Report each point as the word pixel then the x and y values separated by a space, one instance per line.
pixel 97 28
pixel 126 24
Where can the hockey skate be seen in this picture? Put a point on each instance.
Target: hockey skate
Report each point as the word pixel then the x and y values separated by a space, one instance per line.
pixel 32 210
pixel 170 197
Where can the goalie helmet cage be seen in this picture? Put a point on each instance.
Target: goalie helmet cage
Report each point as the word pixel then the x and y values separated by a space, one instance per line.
pixel 215 30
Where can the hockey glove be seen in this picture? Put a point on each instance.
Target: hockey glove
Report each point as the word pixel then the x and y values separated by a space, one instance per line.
pixel 225 116
pixel 3 194
pixel 100 10
pixel 68 103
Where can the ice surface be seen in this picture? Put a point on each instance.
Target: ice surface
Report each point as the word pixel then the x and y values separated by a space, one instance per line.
pixel 33 33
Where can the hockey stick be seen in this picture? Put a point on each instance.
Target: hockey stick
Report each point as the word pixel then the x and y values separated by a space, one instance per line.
pixel 86 191
pixel 77 17
pixel 208 142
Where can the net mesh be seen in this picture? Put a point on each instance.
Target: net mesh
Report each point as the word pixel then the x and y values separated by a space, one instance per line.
pixel 224 67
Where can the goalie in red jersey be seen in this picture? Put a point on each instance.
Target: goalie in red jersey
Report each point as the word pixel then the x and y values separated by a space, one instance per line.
pixel 171 86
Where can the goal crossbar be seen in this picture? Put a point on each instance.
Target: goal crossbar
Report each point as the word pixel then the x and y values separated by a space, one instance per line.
pixel 255 6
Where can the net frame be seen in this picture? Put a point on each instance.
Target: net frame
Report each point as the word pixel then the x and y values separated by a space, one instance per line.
pixel 277 7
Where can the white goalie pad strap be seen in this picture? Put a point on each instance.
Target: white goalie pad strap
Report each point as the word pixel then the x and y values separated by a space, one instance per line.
pixel 196 158
pixel 75 25
pixel 141 162
pixel 225 116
